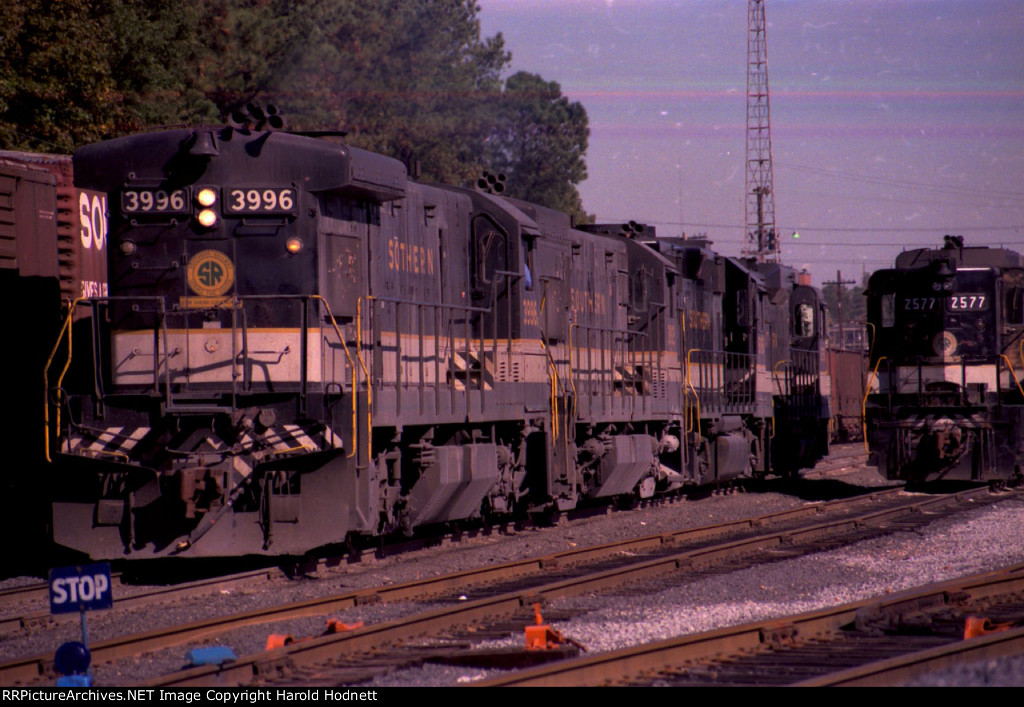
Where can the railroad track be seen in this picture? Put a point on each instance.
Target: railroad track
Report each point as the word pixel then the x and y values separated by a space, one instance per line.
pixel 35 594
pixel 875 642
pixel 514 587
pixel 24 610
pixel 846 456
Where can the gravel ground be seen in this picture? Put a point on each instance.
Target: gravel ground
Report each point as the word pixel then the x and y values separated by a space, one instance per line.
pixel 950 548
pixel 969 544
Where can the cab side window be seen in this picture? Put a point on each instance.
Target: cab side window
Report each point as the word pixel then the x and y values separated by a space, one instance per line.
pixel 1013 307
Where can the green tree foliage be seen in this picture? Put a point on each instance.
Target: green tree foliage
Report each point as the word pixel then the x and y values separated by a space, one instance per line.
pixel 406 78
pixel 539 140
pixel 56 89
pixel 410 78
pixel 196 61
pixel 854 303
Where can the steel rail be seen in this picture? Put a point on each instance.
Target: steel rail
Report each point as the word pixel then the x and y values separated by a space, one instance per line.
pixel 269 665
pixel 36 592
pixel 899 670
pixel 630 664
pixel 34 668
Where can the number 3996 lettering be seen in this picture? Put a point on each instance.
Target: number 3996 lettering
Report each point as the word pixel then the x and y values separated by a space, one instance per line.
pixel 255 201
pixel 143 201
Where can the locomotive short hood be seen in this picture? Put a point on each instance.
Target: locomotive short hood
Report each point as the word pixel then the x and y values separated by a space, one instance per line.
pixel 172 159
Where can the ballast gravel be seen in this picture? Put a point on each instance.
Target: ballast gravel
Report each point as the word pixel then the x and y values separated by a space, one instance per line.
pixel 950 548
pixel 983 539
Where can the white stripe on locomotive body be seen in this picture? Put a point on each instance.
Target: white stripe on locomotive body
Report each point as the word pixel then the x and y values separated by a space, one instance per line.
pixel 214 356
pixel 274 356
pixel 908 379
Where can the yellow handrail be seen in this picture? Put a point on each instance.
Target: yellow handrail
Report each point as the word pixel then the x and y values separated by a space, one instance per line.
pixel 572 378
pixel 351 364
pixel 1012 373
pixel 864 403
pixel 66 327
pixel 366 372
pixel 553 377
pixel 696 397
pixel 775 373
pixel 552 371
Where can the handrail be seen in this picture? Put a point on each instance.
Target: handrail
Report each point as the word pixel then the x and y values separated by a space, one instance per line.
pixel 775 374
pixel 1012 373
pixel 69 330
pixel 552 371
pixel 352 365
pixel 874 338
pixel 864 403
pixel 66 327
pixel 572 378
pixel 696 397
pixel 366 373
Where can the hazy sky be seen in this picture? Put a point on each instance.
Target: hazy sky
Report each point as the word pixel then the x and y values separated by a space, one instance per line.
pixel 894 122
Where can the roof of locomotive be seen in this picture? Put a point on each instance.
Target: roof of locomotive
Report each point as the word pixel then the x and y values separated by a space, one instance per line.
pixel 184 154
pixel 511 208
pixel 965 257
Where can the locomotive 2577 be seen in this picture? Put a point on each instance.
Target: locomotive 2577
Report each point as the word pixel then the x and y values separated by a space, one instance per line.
pixel 948 358
pixel 300 344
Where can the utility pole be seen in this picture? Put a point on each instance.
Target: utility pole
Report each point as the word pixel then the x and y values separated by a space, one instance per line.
pixel 762 236
pixel 839 282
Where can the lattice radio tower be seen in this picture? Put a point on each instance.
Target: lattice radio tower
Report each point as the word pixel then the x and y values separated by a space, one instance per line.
pixel 762 238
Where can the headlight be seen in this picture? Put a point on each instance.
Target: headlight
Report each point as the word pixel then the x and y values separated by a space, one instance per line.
pixel 207 218
pixel 206 197
pixel 293 245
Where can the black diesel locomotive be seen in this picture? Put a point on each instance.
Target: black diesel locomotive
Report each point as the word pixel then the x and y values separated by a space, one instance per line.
pixel 945 398
pixel 301 345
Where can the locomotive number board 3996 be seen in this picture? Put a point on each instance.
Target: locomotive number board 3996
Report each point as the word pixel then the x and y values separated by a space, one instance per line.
pixel 155 201
pixel 253 200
